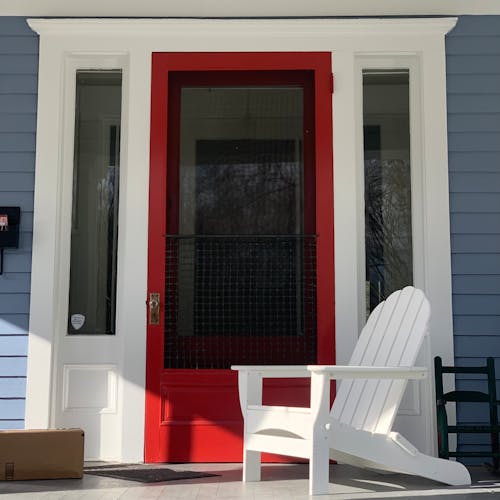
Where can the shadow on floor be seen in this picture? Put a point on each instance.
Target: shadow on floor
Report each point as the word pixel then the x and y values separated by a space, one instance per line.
pixel 289 479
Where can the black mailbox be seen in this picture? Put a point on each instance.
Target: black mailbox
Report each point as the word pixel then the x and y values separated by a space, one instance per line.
pixel 10 217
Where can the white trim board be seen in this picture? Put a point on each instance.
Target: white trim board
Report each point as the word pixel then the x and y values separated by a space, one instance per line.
pixel 257 8
pixel 324 30
pixel 100 42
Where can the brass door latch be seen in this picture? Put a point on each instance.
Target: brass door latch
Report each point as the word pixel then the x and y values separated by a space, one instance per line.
pixel 154 308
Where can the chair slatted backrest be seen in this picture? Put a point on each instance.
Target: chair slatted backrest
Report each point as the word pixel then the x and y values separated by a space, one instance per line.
pixel 392 336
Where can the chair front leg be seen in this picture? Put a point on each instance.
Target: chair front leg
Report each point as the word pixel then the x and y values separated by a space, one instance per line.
pixel 251 465
pixel 319 461
pixel 250 389
pixel 319 467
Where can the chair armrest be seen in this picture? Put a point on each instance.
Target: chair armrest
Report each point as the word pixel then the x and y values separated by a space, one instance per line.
pixel 274 371
pixel 365 372
pixel 250 379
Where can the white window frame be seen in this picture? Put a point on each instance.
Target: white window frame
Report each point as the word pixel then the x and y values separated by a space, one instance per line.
pixel 74 63
pixel 349 40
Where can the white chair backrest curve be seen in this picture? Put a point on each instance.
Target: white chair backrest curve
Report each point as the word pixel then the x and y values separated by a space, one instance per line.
pixel 392 336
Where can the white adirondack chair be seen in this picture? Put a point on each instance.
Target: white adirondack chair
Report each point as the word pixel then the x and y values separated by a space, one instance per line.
pixel 357 429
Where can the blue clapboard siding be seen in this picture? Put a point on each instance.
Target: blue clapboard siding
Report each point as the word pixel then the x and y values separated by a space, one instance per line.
pixel 18 97
pixel 473 83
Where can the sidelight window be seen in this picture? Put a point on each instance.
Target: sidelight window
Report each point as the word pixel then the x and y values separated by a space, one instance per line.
pixel 94 224
pixel 387 181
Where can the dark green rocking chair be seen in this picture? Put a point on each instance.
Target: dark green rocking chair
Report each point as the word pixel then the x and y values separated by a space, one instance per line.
pixel 490 397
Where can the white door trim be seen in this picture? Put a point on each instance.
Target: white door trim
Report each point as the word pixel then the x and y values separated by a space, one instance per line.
pixel 62 40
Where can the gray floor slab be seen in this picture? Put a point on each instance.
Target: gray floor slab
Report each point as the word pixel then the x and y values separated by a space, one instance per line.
pixel 279 482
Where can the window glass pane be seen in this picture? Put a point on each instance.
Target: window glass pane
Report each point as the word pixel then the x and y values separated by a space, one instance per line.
pixel 241 156
pixel 94 228
pixel 388 230
pixel 241 174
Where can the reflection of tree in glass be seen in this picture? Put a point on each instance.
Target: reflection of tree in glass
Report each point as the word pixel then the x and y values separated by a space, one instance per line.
pixel 251 187
pixel 388 231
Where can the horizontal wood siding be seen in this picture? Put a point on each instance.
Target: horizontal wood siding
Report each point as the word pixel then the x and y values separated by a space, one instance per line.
pixel 18 97
pixel 473 83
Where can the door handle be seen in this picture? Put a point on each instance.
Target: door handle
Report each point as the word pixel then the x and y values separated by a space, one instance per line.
pixel 154 308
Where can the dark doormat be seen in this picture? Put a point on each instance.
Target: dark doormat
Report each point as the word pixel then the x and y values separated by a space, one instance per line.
pixel 144 473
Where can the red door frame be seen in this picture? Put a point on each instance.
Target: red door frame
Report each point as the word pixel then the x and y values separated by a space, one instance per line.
pixel 162 64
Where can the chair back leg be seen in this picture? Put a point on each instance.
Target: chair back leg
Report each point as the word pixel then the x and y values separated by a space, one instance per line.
pixel 442 418
pixel 495 448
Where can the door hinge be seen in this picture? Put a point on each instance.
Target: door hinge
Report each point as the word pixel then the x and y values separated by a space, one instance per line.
pixel 332 83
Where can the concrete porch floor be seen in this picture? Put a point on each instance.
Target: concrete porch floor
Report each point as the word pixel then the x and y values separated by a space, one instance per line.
pixel 278 482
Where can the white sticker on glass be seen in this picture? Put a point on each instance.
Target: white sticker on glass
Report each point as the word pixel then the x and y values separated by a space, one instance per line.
pixel 77 321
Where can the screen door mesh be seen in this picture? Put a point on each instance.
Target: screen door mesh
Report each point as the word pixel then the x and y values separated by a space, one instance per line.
pixel 240 300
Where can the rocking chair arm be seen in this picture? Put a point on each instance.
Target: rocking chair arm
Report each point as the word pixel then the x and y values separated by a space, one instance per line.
pixel 365 372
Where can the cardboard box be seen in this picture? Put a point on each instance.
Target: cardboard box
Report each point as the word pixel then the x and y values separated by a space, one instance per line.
pixel 41 454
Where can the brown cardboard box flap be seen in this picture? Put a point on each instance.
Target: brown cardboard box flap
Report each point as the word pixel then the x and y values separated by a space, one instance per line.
pixel 41 454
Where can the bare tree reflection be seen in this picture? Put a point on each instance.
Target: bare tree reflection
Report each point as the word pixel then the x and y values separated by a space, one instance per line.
pixel 248 187
pixel 388 233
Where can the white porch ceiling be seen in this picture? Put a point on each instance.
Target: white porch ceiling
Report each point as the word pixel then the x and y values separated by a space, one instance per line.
pixel 245 8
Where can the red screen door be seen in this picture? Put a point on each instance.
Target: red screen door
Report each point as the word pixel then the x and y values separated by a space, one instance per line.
pixel 240 240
